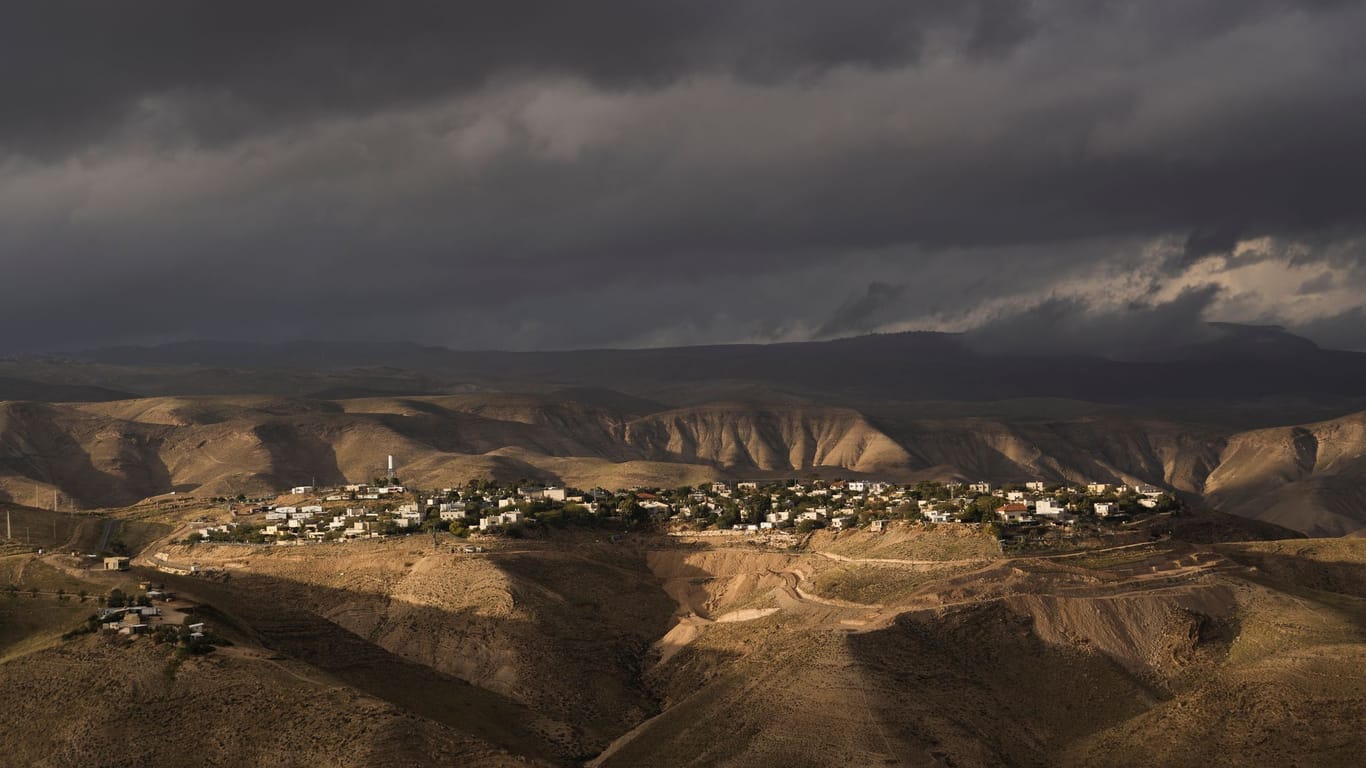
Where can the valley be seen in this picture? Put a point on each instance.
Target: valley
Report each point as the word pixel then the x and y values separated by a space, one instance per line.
pixel 918 645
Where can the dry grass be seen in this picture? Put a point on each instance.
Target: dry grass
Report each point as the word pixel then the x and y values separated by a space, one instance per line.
pixel 878 584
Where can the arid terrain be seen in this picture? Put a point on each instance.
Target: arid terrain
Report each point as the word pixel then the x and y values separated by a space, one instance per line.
pixel 920 645
pixel 683 384
pixel 1220 636
pixel 1305 477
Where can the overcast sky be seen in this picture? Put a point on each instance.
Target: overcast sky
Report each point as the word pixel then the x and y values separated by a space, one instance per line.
pixel 535 175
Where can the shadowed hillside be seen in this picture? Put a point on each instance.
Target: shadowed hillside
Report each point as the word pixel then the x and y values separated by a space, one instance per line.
pixel 920 645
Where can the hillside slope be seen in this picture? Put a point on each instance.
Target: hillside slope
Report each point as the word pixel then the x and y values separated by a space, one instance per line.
pixel 921 645
pixel 99 454
pixel 1311 478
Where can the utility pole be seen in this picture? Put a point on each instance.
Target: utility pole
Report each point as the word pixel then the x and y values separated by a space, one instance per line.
pixel 9 531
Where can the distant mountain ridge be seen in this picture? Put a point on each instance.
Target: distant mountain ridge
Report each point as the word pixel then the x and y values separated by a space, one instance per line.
pixel 1237 363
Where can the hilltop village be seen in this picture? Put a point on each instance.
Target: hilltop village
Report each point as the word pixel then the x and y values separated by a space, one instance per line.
pixel 1016 512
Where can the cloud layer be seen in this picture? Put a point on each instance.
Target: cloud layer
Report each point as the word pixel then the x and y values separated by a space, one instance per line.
pixel 549 175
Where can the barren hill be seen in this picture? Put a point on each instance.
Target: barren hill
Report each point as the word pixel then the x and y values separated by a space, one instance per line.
pixel 921 645
pixel 1311 478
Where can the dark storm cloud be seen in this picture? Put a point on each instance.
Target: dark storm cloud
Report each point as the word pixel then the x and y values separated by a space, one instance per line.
pixel 71 67
pixel 558 174
pixel 1346 330
pixel 1207 241
pixel 1067 326
pixel 1317 284
pixel 865 313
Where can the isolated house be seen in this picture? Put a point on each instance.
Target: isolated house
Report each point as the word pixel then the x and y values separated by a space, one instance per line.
pixel 116 564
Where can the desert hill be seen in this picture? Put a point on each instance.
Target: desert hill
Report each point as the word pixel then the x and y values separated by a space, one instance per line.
pixel 1293 474
pixel 119 452
pixel 921 645
pixel 117 705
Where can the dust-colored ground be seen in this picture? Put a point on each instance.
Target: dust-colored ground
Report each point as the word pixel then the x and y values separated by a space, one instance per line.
pixel 918 646
pixel 910 542
pixel 101 702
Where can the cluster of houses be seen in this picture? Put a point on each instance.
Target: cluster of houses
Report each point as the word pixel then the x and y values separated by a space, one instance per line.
pixel 142 616
pixel 129 620
pixel 754 506
pixel 1036 502
pixel 333 514
pixel 352 492
pixel 321 518
pixel 312 522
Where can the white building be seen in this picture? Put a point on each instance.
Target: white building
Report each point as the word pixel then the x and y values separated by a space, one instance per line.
pixel 1049 508
pixel 502 518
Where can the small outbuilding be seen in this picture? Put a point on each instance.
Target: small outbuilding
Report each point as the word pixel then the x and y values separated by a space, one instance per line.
pixel 116 564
